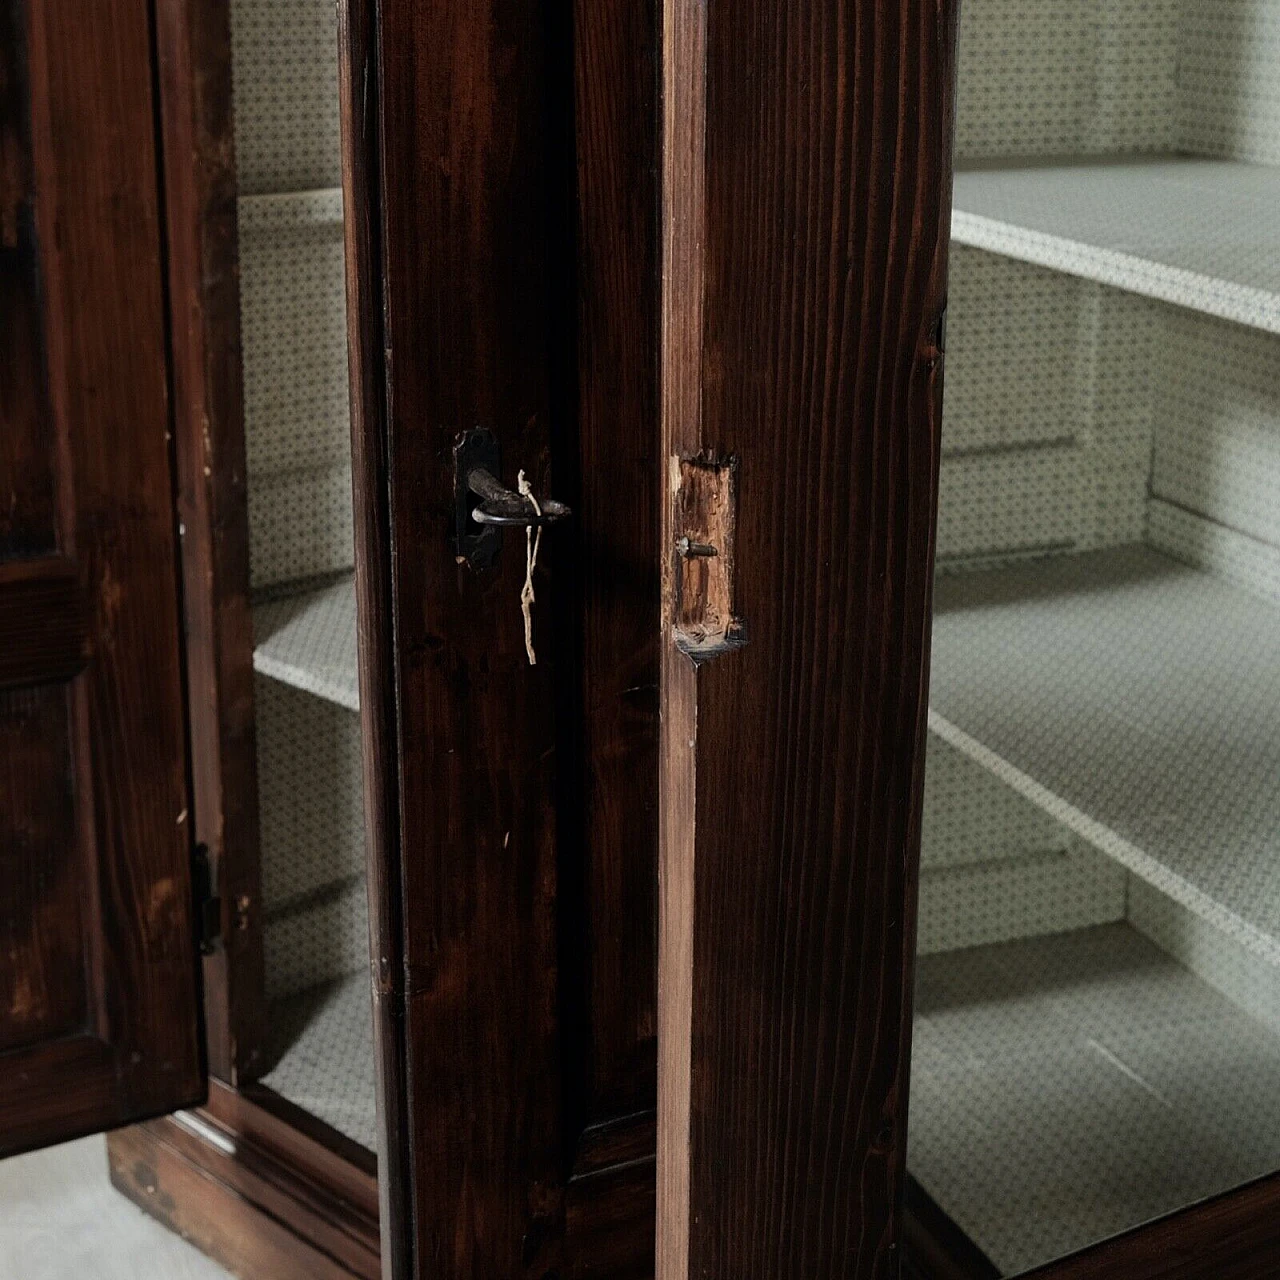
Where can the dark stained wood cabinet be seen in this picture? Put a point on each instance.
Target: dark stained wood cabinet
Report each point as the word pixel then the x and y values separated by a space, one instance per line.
pixel 510 810
pixel 407 909
pixel 641 916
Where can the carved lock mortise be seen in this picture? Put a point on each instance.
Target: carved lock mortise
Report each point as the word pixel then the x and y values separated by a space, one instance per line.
pixel 703 614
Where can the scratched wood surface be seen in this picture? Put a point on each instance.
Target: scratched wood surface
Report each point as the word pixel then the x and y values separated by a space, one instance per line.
pixel 193 51
pixel 501 223
pixel 98 1000
pixel 806 156
pixel 454 324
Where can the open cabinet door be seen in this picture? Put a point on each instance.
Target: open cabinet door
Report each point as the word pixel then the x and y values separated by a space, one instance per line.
pixel 98 954
pixel 501 216
pixel 501 202
pixel 806 197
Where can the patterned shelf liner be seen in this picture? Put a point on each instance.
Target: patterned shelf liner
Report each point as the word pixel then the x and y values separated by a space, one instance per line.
pixel 285 210
pixel 1200 234
pixel 321 1042
pixel 1067 1087
pixel 298 447
pixel 309 641
pixel 1137 701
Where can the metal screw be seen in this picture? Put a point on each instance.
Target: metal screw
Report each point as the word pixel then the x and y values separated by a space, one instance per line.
pixel 690 549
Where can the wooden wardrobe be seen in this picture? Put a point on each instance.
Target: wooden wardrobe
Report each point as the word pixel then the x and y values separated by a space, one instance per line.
pixel 527 749
pixel 327 887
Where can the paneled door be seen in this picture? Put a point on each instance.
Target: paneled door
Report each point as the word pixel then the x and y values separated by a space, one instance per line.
pixel 98 955
pixel 713 330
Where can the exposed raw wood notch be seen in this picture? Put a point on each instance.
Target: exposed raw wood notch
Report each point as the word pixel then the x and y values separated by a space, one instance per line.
pixel 704 514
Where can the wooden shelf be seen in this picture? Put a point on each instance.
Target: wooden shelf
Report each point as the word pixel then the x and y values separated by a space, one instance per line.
pixel 323 1059
pixel 276 210
pixel 1199 234
pixel 309 641
pixel 1067 1087
pixel 1137 701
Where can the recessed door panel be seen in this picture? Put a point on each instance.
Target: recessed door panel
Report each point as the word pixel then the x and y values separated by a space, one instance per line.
pixel 98 989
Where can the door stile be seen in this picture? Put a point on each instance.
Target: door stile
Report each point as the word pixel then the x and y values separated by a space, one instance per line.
pixel 611 935
pixel 359 87
pixel 193 52
pixel 680 309
pixel 806 198
pixel 453 320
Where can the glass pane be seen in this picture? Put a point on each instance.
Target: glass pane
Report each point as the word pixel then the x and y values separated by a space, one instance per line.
pixel 294 342
pixel 1097 1034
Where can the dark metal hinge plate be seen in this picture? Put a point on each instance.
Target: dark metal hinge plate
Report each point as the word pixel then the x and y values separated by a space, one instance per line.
pixel 208 905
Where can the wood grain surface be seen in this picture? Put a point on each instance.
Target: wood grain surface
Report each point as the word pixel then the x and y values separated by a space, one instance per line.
pixel 612 821
pixel 100 913
pixel 44 624
pixel 453 317
pixel 501 202
pixel 806 170
pixel 251 1191
pixel 193 50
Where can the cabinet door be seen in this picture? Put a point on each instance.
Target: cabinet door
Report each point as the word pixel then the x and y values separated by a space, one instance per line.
pixel 98 985
pixel 506 244
pixel 502 268
pixel 806 199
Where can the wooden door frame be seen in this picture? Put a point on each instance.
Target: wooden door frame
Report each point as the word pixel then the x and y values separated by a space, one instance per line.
pixel 553 1166
pixel 807 179
pixel 197 133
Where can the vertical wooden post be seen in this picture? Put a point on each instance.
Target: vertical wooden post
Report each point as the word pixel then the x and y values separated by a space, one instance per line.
pixel 806 196
pixel 193 51
pixel 449 152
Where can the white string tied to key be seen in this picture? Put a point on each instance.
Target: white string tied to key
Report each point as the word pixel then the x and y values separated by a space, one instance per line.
pixel 532 540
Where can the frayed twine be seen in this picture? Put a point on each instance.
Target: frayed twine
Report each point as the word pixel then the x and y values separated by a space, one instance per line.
pixel 532 540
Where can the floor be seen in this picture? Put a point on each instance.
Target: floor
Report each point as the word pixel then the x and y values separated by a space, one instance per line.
pixel 61 1219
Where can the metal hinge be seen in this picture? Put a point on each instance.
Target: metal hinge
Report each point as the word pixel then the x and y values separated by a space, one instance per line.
pixel 208 904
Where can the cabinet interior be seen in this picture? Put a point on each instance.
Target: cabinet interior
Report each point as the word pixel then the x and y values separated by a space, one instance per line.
pixel 1097 1035
pixel 293 331
pixel 1097 1030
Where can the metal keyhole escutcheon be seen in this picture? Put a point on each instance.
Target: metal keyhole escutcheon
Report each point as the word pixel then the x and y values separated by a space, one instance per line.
pixel 485 506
